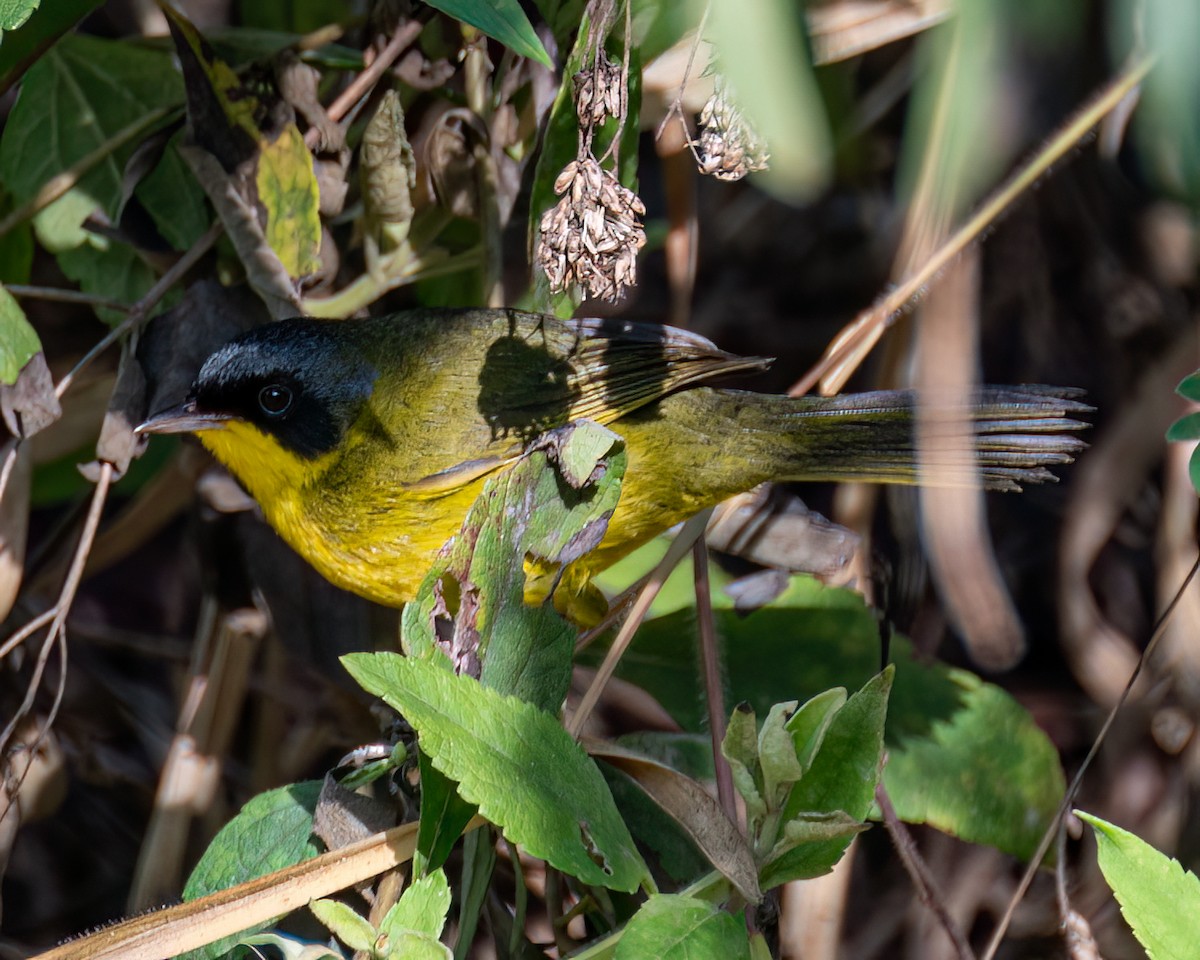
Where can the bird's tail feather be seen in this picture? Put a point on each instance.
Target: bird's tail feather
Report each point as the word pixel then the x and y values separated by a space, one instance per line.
pixel 1017 434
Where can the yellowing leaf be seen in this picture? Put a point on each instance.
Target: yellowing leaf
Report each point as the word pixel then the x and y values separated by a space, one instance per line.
pixel 287 189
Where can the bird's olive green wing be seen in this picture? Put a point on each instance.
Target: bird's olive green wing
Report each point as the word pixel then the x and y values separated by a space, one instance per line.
pixel 500 378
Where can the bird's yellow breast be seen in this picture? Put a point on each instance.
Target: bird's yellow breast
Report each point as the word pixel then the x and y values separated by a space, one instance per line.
pixel 370 536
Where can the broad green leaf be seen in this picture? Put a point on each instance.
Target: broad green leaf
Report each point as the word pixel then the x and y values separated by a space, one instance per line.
pixel 409 945
pixel 289 16
pixel 287 189
pixel 422 908
pixel 269 833
pixel 1186 427
pixel 1189 387
pixel 842 778
pixel 673 927
pixel 814 828
pixel 14 13
pixel 987 773
pixel 815 638
pixel 174 199
pixel 444 814
pixel 109 269
pixel 522 529
pixel 1159 899
pixel 515 762
pixel 16 249
pixel 502 20
pixel 345 924
pixel 74 100
pixel 20 48
pixel 18 340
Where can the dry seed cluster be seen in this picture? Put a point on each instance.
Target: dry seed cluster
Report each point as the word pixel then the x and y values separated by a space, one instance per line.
pixel 600 91
pixel 728 146
pixel 592 235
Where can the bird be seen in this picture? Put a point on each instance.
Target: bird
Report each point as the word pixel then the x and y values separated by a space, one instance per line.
pixel 366 441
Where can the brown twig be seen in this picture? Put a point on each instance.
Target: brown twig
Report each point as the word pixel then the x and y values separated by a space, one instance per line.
pixel 139 313
pixel 714 688
pixel 691 532
pixel 59 295
pixel 1160 628
pixel 914 865
pixel 870 324
pixel 56 636
pixel 403 38
pixel 60 183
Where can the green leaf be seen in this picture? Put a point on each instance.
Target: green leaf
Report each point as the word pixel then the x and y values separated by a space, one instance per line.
pixel 673 927
pixel 354 931
pixel 19 342
pixel 73 101
pixel 777 752
pixel 422 908
pixel 842 778
pixel 106 268
pixel 1186 427
pixel 287 15
pixel 740 748
pixel 515 762
pixel 986 773
pixel 815 638
pixel 810 723
pixel 174 199
pixel 16 248
pixel 1189 387
pixel 269 833
pixel 444 814
pixel 1194 469
pixel 524 527
pixel 407 945
pixel 502 20
pixel 20 48
pixel 1159 899
pixel 14 13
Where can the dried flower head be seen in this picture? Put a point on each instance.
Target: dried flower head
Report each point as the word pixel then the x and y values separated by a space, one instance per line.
pixel 728 146
pixel 592 235
pixel 600 91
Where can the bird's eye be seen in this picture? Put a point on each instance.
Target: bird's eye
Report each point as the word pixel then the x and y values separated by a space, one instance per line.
pixel 275 400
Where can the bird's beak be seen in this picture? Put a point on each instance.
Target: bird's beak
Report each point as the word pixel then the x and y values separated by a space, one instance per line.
pixel 183 419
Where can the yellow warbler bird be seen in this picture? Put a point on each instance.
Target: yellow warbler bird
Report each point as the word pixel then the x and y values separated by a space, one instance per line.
pixel 366 441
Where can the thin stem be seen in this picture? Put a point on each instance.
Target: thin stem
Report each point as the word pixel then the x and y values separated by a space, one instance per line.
pixel 360 85
pixel 59 295
pixel 140 311
pixel 60 183
pixel 475 79
pixel 914 864
pixel 714 688
pixel 907 294
pixel 1160 628
pixel 691 532
pixel 56 637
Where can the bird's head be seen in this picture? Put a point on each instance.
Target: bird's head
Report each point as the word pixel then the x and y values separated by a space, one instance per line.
pixel 274 403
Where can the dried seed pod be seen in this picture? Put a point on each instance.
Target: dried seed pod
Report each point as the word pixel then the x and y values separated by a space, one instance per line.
pixel 600 91
pixel 728 147
pixel 388 167
pixel 592 235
